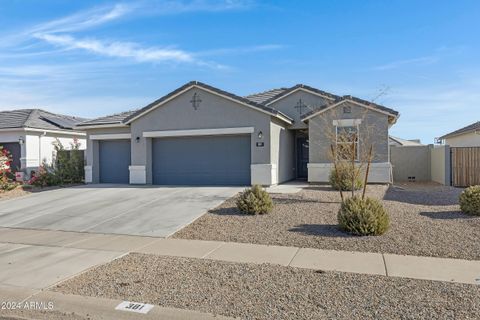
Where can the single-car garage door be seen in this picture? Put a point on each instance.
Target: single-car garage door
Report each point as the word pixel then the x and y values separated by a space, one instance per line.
pixel 114 158
pixel 206 160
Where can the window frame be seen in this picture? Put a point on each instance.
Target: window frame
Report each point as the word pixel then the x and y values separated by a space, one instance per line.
pixel 357 140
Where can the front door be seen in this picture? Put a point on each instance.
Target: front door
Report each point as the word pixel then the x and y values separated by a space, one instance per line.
pixel 302 157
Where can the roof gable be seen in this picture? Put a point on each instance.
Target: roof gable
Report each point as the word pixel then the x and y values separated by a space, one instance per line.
pixel 227 95
pixel 301 87
pixel 470 128
pixel 393 115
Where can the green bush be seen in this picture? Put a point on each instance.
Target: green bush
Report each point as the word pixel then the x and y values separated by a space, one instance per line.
pixel 470 200
pixel 341 178
pixel 363 217
pixel 255 200
pixel 69 164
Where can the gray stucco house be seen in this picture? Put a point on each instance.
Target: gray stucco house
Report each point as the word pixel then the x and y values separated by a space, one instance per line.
pixel 201 135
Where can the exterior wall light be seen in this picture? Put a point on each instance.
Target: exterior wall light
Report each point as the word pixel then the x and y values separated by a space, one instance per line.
pixel 137 139
pixel 21 141
pixel 260 135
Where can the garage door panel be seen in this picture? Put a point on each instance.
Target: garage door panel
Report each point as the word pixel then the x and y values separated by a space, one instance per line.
pixel 114 158
pixel 212 160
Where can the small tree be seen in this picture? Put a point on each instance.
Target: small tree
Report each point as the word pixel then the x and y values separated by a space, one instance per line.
pixel 69 164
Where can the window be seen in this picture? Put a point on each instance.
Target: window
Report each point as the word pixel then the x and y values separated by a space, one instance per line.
pixel 345 137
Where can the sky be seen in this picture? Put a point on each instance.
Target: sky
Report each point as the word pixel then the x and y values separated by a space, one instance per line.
pixel 93 58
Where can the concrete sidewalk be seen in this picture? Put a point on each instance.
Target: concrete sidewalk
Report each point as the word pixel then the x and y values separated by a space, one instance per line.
pixel 427 268
pixel 66 305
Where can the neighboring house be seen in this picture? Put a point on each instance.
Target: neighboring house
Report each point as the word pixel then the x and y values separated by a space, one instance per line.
pixel 29 135
pixel 201 135
pixel 468 136
pixel 398 142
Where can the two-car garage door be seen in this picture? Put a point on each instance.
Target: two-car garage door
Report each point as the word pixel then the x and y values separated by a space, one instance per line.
pixel 203 160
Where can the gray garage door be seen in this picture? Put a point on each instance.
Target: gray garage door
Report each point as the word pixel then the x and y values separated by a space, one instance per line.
pixel 114 160
pixel 209 160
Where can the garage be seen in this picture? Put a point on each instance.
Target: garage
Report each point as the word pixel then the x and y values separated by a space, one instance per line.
pixel 203 160
pixel 15 150
pixel 114 159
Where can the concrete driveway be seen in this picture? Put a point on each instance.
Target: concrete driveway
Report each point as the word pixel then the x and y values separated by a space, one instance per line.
pixel 120 209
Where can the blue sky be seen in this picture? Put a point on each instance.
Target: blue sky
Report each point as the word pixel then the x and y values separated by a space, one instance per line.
pixel 91 58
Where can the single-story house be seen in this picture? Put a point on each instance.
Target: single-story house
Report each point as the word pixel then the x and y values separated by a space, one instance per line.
pixel 29 135
pixel 399 142
pixel 201 135
pixel 468 136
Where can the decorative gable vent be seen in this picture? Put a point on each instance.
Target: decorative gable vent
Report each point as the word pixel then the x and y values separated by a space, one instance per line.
pixel 195 101
pixel 347 109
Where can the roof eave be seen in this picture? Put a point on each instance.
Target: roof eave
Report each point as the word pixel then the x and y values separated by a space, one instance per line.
pixel 101 125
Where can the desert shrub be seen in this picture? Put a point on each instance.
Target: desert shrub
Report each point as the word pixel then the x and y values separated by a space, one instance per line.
pixel 341 178
pixel 7 186
pixel 470 200
pixel 255 200
pixel 363 217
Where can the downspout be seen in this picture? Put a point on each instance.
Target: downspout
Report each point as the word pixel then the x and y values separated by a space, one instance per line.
pixel 40 161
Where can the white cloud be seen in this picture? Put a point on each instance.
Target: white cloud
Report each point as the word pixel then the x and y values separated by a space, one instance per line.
pixel 118 49
pixel 83 20
pixel 59 32
pixel 401 63
pixel 170 7
pixel 239 50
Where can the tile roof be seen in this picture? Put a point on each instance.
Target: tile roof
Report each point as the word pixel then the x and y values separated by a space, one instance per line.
pixel 471 127
pixel 261 97
pixel 117 118
pixel 286 91
pixel 257 100
pixel 37 119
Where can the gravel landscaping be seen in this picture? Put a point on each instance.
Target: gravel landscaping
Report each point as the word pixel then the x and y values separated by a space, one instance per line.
pixel 250 291
pixel 425 220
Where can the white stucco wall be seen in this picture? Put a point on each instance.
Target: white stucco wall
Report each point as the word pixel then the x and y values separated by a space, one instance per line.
pixel 38 146
pixel 47 150
pixel 470 139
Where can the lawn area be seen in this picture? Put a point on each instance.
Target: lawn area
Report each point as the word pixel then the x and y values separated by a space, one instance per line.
pixel 425 220
pixel 251 291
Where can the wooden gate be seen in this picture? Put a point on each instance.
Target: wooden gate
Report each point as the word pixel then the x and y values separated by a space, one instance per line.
pixel 465 166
